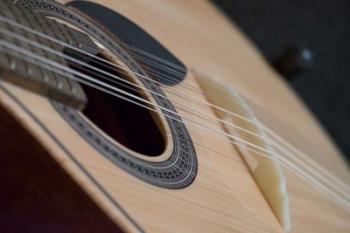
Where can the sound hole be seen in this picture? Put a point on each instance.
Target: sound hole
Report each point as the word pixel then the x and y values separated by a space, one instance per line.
pixel 135 127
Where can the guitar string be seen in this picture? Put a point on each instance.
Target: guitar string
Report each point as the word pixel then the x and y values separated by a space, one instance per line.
pixel 267 129
pixel 154 58
pixel 271 132
pixel 152 61
pixel 67 57
pixel 281 148
pixel 284 162
pixel 142 105
pixel 155 61
pixel 302 157
pixel 60 66
pixel 106 62
pixel 325 191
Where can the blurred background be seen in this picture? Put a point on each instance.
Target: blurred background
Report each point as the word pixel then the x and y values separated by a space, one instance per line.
pixel 308 42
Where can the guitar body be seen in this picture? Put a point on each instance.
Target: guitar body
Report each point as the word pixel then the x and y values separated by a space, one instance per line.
pixel 54 180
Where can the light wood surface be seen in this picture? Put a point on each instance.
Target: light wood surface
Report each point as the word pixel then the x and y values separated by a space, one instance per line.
pixel 224 196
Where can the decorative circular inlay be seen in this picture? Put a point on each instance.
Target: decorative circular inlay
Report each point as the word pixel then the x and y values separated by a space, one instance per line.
pixel 180 169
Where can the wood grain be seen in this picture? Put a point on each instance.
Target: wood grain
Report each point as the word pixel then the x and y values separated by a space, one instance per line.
pixel 37 195
pixel 224 196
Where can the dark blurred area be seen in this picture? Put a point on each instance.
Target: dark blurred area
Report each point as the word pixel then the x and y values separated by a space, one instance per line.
pixel 307 41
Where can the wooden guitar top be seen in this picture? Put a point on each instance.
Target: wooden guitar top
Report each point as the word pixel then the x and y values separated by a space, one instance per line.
pixel 224 196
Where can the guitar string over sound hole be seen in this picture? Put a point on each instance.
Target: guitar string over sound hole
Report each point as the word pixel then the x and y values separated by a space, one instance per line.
pixel 171 160
pixel 137 128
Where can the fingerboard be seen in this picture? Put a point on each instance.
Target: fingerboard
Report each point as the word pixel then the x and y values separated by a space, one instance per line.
pixel 27 39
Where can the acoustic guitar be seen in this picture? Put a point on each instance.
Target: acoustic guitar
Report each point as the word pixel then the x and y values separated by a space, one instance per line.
pixel 154 116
